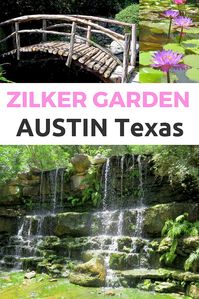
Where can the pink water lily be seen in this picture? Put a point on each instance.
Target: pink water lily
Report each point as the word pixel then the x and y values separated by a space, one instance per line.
pixel 167 60
pixel 179 2
pixel 182 23
pixel 170 14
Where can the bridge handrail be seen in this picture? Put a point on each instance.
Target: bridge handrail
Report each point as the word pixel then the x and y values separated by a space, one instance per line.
pixel 62 17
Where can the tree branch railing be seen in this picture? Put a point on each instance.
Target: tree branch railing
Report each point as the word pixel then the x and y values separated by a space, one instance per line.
pixel 88 24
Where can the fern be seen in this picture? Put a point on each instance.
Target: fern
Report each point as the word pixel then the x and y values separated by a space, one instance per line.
pixel 194 257
pixel 175 230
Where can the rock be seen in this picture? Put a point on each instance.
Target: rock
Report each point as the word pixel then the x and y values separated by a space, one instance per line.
pixel 122 261
pixel 193 291
pixel 99 159
pixel 90 274
pixel 8 224
pixel 116 48
pixel 81 163
pixel 77 182
pixel 165 244
pixel 167 287
pixel 30 275
pixel 155 217
pixel 72 224
pixel 31 191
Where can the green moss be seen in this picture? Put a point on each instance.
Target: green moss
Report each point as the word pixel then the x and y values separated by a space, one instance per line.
pixel 14 286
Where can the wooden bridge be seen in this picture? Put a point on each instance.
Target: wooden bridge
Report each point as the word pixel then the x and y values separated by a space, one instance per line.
pixel 84 40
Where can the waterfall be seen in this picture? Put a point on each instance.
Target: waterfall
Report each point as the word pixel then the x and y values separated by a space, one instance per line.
pixel 37 224
pixel 107 184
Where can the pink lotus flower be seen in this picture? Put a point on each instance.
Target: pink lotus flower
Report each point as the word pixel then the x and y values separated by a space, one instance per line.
pixel 170 14
pixel 179 2
pixel 166 60
pixel 183 22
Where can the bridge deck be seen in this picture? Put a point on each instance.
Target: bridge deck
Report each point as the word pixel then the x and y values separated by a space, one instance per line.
pixel 91 57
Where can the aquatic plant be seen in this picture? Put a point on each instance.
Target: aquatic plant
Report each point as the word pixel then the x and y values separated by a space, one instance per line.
pixel 182 23
pixel 169 25
pixel 170 14
pixel 179 2
pixel 167 60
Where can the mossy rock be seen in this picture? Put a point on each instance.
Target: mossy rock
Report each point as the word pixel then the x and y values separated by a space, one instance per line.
pixel 193 291
pixel 90 274
pixel 122 261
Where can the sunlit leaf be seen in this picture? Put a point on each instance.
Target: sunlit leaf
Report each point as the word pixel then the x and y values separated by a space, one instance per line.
pixel 192 60
pixel 146 58
pixel 175 47
pixel 193 74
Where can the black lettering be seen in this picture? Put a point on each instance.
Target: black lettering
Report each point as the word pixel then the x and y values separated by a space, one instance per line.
pixel 38 128
pixel 25 128
pixel 151 129
pixel 135 128
pixel 59 127
pixel 95 124
pixel 165 132
pixel 74 125
pixel 178 129
pixel 122 121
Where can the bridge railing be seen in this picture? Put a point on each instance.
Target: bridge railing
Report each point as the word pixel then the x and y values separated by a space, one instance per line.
pixel 70 25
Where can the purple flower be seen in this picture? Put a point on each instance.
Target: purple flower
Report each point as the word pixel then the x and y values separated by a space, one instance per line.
pixel 183 22
pixel 170 14
pixel 166 60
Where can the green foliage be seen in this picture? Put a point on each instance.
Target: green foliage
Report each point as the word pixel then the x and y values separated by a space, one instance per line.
pixel 92 191
pixel 2 78
pixel 12 8
pixel 194 257
pixel 175 230
pixel 130 14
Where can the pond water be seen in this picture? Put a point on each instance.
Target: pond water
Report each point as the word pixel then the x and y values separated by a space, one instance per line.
pixel 154 30
pixel 13 286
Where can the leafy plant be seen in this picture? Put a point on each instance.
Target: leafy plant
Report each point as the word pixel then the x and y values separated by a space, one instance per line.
pixel 194 257
pixel 92 191
pixel 174 230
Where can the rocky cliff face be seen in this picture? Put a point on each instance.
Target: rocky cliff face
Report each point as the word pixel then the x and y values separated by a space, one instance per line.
pixel 45 224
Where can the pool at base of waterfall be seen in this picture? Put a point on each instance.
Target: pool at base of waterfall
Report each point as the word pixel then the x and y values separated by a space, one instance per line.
pixel 14 286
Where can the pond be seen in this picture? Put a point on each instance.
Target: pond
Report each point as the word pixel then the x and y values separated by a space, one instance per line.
pixel 183 40
pixel 14 286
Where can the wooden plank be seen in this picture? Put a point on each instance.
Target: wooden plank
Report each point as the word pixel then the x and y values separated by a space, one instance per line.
pixel 72 41
pixel 99 63
pixel 106 65
pixel 110 69
pixel 81 52
pixel 88 55
pixel 94 59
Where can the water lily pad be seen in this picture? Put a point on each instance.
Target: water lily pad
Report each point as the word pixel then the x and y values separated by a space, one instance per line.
pixel 192 60
pixel 191 43
pixel 149 75
pixel 175 48
pixel 193 30
pixel 193 74
pixel 146 58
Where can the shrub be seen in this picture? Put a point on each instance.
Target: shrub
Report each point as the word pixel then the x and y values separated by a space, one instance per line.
pixel 130 14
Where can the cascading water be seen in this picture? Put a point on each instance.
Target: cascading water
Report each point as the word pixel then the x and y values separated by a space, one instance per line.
pixel 114 211
pixel 33 227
